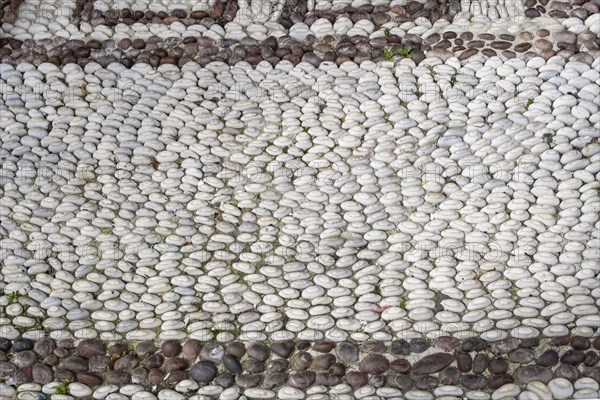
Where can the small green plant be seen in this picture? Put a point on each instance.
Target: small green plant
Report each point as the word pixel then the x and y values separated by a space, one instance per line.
pixel 377 290
pixel 405 52
pixel 471 18
pixel 13 297
pixel 388 54
pixel 63 388
pixel 213 334
pixel 403 305
pixel 386 33
pixel 529 102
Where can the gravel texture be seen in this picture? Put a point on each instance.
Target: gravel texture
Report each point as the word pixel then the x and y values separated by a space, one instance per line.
pixel 299 199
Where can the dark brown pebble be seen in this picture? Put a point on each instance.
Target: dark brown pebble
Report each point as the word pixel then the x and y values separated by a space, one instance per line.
pixel 126 363
pixel 449 35
pixel 579 342
pixel 15 43
pixel 154 361
pixel 532 13
pixel 232 364
pixel 463 361
pixel 475 44
pixel 273 380
pixel 497 381
pixel 144 349
pixel 486 36
pixel 467 36
pixel 191 349
pixel 42 374
pixel 176 377
pixel 501 45
pixel 179 13
pixel 474 382
pixel 596 343
pixel 88 348
pixel 573 357
pixel 356 379
pixel 139 376
pixel 254 366
pixel 593 372
pixel 498 366
pixel 322 362
pixel 444 44
pixel 119 378
pixel 6 345
pixel 447 343
pixel 399 381
pixel 449 376
pixel 303 345
pixel 426 382
pixel 64 375
pixel 557 14
pixel 156 376
pixel 175 364
pixel 433 38
pixel 521 356
pixel 459 42
pixel 301 361
pixel 545 33
pixel 198 14
pixel 400 347
pixel 89 379
pixel 324 346
pixel 248 380
pixel 567 371
pixel 467 54
pixel 488 52
pixel 327 379
pixel 118 349
pixel 480 363
pixel 171 348
pixel 302 380
pixel 530 373
pixel 44 347
pixel 374 364
pixel 338 369
pixel 283 349
pixel 381 18
pixel 278 365
pixel 401 365
pixel 548 358
pixel 522 47
pixel 543 45
pixel 312 59
pixel 509 38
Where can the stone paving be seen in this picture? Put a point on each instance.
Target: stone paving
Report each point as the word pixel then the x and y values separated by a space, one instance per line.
pixel 257 199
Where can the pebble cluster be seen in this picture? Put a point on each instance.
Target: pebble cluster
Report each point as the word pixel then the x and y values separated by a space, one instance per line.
pixel 443 369
pixel 300 202
pixel 299 199
pixel 233 31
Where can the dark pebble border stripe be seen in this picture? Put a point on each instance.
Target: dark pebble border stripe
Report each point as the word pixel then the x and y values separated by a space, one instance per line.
pixel 472 364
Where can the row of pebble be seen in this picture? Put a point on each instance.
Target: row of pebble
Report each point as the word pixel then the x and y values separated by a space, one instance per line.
pixel 443 367
pixel 360 201
pixel 362 33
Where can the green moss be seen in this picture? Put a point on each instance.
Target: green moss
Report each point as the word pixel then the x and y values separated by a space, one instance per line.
pixel 403 305
pixel 63 388
pixel 13 297
pixel 377 290
pixel 405 52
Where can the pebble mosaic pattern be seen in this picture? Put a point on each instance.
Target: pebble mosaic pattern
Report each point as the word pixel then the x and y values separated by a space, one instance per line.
pixel 445 368
pixel 300 199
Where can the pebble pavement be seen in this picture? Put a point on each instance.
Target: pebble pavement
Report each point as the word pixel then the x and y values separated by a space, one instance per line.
pixel 299 199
